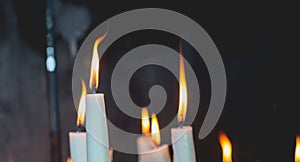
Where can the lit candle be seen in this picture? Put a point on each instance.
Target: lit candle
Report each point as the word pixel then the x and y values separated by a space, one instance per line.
pixel 145 142
pixel 297 149
pixel 148 146
pixel 96 124
pixel 226 148
pixel 182 137
pixel 159 153
pixel 78 139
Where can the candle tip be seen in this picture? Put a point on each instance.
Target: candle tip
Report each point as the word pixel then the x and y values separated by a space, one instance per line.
pixel 180 124
pixel 94 90
pixel 81 128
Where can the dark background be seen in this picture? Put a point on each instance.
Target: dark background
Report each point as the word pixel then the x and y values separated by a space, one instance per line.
pixel 257 41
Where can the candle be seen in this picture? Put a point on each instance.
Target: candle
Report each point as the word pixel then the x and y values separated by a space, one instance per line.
pixel 148 146
pixel 183 144
pixel 97 135
pixel 297 149
pixel 159 154
pixel 78 139
pixel 182 137
pixel 226 148
pixel 145 142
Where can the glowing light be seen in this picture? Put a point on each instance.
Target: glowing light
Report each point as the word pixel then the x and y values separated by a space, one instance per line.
pixel 69 160
pixel 155 132
pixel 94 76
pixel 81 105
pixel 297 149
pixel 226 147
pixel 145 121
pixel 183 98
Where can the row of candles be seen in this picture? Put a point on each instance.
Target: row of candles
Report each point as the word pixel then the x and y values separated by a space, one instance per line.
pixel 92 145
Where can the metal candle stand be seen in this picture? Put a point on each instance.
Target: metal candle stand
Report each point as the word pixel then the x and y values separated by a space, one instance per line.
pixel 52 85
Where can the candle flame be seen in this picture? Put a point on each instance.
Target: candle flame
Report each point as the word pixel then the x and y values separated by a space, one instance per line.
pixel 145 121
pixel 111 154
pixel 94 76
pixel 226 147
pixel 183 98
pixel 297 149
pixel 155 133
pixel 69 160
pixel 81 105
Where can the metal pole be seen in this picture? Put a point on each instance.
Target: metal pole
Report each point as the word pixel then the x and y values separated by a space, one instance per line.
pixel 52 85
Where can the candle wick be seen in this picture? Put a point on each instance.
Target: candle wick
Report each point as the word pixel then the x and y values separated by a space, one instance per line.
pixel 94 91
pixel 181 124
pixel 81 128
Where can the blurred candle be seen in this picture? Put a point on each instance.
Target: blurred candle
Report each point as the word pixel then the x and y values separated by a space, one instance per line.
pixel 78 139
pixel 145 142
pixel 96 124
pixel 182 137
pixel 159 153
pixel 297 149
pixel 226 147
pixel 148 146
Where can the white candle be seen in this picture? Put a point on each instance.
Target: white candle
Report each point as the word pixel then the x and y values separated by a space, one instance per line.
pixel 145 142
pixel 149 151
pixel 78 146
pixel 159 154
pixel 78 139
pixel 182 137
pixel 183 144
pixel 97 135
pixel 96 125
pixel 147 145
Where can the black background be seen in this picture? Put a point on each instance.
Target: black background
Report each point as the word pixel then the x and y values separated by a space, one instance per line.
pixel 258 43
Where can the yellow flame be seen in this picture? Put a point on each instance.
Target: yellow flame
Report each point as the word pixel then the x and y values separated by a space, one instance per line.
pixel 226 147
pixel 183 98
pixel 94 76
pixel 155 133
pixel 69 160
pixel 145 121
pixel 81 105
pixel 297 149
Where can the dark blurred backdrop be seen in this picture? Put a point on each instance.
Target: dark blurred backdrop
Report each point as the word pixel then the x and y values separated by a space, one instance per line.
pixel 257 41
